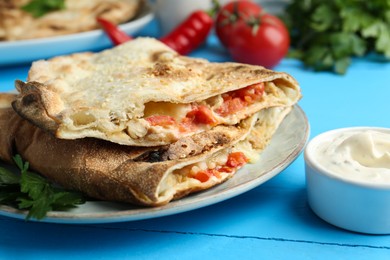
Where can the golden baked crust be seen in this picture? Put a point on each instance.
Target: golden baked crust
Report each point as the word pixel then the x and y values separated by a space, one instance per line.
pixel 78 16
pixel 108 95
pixel 139 175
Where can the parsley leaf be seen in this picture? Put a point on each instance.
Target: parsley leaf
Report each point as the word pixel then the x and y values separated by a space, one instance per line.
pixel 328 34
pixel 32 192
pixel 38 8
pixel 8 177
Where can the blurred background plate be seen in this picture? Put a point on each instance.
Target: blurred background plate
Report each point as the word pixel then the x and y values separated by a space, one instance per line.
pixel 26 51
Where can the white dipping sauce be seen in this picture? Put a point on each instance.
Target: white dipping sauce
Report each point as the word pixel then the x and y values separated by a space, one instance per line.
pixel 357 155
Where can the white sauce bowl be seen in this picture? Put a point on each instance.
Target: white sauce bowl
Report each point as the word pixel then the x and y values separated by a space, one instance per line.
pixel 361 204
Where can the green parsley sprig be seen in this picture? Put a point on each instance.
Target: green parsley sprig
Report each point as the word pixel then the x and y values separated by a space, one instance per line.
pixel 326 35
pixel 38 8
pixel 32 192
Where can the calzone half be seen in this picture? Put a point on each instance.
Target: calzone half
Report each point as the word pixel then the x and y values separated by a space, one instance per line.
pixel 148 176
pixel 142 93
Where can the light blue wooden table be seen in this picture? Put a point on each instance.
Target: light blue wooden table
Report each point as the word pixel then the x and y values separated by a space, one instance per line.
pixel 272 221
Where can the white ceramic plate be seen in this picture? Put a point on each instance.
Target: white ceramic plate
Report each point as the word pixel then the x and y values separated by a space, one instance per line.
pixel 26 51
pixel 287 143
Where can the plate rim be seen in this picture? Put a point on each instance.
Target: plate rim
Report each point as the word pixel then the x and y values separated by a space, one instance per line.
pixel 175 207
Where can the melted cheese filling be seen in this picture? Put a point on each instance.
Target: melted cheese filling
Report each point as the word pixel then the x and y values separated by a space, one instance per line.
pixel 141 128
pixel 183 179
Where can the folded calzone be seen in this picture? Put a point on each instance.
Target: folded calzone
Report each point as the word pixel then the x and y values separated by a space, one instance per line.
pixel 142 93
pixel 148 176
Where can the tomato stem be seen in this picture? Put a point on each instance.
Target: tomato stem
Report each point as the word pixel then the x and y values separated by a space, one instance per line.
pixel 216 6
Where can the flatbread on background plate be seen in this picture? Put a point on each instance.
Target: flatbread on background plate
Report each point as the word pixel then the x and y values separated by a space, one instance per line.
pixel 142 93
pixel 77 16
pixel 148 176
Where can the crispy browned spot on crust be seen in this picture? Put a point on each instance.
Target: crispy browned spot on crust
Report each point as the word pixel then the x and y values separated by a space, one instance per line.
pixel 164 70
pixel 160 56
pixel 161 70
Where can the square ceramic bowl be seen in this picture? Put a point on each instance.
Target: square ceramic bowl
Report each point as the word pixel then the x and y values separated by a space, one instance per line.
pixel 348 178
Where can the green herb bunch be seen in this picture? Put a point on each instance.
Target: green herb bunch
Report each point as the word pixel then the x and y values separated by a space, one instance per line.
pixel 38 8
pixel 30 191
pixel 325 35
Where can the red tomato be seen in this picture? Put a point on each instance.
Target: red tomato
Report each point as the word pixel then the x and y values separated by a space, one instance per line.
pixel 230 14
pixel 261 39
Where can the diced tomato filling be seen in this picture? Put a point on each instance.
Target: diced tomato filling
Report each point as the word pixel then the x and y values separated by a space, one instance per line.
pixel 205 175
pixel 161 120
pixel 236 100
pixel 202 115
pixel 233 102
pixel 187 125
pixel 198 115
pixel 234 161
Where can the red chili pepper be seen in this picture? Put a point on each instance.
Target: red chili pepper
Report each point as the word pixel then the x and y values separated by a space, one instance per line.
pixel 185 38
pixel 116 35
pixel 190 33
